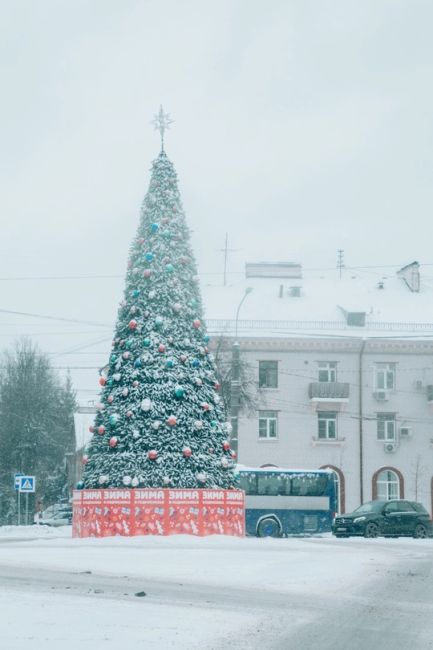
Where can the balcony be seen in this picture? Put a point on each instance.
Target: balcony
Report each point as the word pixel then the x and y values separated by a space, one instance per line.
pixel 328 395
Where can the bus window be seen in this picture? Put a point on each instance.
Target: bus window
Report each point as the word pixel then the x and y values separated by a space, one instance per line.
pixel 249 483
pixel 272 484
pixel 308 486
pixel 267 484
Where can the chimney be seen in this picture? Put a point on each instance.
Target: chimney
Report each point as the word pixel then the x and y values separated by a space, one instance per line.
pixel 410 276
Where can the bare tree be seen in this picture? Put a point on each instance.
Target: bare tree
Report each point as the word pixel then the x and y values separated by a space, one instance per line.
pixel 249 390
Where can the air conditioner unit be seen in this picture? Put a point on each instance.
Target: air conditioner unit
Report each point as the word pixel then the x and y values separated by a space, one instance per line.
pixel 381 395
pixel 390 447
pixel 405 432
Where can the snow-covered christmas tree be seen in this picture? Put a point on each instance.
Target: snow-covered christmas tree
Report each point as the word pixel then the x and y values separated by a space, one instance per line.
pixel 160 421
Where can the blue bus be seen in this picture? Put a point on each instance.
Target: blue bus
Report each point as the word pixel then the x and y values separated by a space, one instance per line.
pixel 281 502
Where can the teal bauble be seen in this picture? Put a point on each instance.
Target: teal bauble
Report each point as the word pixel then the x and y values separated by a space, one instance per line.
pixel 213 424
pixel 154 227
pixel 158 322
pixel 179 392
pixel 169 268
pixel 113 419
pixel 147 343
pixel 169 363
pixel 149 257
pixel 113 358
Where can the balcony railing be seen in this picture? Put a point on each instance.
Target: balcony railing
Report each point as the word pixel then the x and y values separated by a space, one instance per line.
pixel 430 393
pixel 328 391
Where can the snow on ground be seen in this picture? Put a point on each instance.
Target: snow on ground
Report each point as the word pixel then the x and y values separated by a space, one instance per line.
pixel 33 617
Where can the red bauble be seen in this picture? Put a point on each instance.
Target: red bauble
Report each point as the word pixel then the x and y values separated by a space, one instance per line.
pixel 165 220
pixel 141 240
pixel 110 399
pixel 129 414
pixel 205 406
pixel 102 381
pixel 196 323
pixel 135 383
pixel 101 430
pixel 217 385
pixel 113 441
pixel 186 451
pixel 233 453
pixel 152 454
pixel 226 445
pixel 171 421
pixel 147 273
pixel 161 347
pixel 132 324
pixel 92 429
pixel 183 358
pixel 85 460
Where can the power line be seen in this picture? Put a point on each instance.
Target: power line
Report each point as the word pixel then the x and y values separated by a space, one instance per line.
pixel 58 318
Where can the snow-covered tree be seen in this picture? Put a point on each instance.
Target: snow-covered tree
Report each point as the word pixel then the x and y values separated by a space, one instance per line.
pixel 160 422
pixel 36 424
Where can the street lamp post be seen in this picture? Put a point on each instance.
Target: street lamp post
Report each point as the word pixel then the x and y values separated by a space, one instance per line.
pixel 235 381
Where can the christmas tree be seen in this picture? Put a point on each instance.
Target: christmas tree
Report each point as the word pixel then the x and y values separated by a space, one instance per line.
pixel 160 421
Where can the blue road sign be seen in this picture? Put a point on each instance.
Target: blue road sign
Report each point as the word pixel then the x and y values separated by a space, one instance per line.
pixel 27 484
pixel 17 480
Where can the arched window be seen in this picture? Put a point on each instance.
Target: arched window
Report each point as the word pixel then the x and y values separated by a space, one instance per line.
pixel 388 485
pixel 338 477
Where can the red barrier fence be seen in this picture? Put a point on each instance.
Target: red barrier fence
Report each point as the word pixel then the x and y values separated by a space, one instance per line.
pixel 104 513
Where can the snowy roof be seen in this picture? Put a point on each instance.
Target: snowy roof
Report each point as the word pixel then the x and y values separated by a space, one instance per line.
pixel 359 303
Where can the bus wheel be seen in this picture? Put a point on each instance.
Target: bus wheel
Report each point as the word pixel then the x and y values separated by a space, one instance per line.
pixel 269 528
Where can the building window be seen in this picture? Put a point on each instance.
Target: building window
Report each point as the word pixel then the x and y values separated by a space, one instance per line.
pixel 327 423
pixel 268 421
pixel 385 376
pixel 327 371
pixel 268 374
pixel 386 426
pixel 388 485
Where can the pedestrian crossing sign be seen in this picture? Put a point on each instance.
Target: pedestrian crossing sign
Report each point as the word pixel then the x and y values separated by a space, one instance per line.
pixel 27 484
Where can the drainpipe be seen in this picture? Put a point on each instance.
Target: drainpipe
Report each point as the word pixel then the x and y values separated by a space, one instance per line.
pixel 361 430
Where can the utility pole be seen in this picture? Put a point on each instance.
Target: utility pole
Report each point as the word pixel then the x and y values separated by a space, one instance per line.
pixel 340 261
pixel 226 250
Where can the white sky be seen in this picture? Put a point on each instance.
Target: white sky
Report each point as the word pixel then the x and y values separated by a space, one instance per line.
pixel 300 127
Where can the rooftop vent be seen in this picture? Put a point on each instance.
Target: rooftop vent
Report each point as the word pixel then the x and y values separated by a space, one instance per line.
pixel 410 276
pixel 354 318
pixel 273 270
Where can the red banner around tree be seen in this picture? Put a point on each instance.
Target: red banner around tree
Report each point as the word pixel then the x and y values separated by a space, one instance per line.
pixel 105 513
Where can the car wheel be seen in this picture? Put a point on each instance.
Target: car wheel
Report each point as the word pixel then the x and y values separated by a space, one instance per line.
pixel 420 532
pixel 371 530
pixel 268 528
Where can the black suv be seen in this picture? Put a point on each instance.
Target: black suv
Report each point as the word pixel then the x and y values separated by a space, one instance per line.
pixel 388 518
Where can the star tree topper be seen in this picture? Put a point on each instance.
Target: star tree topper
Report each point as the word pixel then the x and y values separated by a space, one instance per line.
pixel 161 122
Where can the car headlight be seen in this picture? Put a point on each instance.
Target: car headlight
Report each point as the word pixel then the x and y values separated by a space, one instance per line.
pixel 358 519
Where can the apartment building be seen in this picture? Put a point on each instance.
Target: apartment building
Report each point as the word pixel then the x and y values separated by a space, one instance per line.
pixel 344 372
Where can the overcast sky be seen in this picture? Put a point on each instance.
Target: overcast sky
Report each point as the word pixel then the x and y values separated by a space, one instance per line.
pixel 300 127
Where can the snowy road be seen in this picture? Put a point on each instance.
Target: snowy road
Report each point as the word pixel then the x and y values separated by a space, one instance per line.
pixel 58 593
